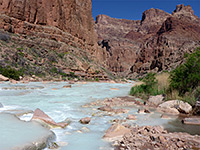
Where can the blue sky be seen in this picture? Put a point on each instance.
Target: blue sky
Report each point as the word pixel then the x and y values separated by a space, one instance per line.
pixel 133 9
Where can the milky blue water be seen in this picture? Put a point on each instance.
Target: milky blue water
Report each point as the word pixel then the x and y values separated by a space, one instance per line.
pixel 66 103
pixel 16 133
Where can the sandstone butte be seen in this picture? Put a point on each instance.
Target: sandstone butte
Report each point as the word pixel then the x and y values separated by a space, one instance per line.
pixel 129 48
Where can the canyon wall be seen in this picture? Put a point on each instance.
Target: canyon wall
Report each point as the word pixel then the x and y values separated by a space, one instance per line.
pixel 32 16
pixel 156 42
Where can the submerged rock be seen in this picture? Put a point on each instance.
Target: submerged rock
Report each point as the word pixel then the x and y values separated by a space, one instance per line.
pixel 85 120
pixel 26 135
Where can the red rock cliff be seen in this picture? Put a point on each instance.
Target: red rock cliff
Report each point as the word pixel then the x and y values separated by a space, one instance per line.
pixel 71 16
pixel 156 42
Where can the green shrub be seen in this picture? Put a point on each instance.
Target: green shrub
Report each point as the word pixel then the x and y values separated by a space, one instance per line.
pixel 149 87
pixel 21 54
pixel 11 73
pixel 150 80
pixel 186 77
pixel 54 70
pixel 138 89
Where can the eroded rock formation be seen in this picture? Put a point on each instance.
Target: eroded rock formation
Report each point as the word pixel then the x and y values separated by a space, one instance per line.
pixel 156 42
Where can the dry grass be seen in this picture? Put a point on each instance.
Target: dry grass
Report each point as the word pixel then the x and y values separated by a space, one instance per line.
pixel 163 84
pixel 137 83
pixel 163 81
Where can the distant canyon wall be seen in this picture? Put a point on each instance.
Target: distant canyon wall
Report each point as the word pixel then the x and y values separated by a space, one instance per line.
pixel 156 42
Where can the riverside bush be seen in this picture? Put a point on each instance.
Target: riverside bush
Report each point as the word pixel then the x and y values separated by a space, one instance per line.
pixel 150 87
pixel 186 77
pixel 11 73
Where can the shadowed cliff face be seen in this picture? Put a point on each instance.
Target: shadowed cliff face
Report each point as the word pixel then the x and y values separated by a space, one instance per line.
pixel 157 42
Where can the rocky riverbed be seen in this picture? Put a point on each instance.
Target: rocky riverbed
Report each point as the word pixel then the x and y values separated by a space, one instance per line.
pixel 126 133
pixel 90 115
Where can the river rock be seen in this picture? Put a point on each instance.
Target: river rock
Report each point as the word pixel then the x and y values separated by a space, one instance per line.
pixel 43 118
pixel 3 78
pixel 105 108
pixel 143 111
pixel 131 117
pixel 13 81
pixel 1 105
pixel 156 100
pixel 85 120
pixel 120 111
pixel 67 86
pixel 116 131
pixel 192 121
pixel 182 107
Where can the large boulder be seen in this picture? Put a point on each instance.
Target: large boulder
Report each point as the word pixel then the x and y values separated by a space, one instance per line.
pixel 182 107
pixel 43 118
pixel 156 100
pixel 116 131
pixel 3 78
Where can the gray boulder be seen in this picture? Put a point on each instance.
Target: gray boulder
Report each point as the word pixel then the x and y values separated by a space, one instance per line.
pixel 182 107
pixel 156 100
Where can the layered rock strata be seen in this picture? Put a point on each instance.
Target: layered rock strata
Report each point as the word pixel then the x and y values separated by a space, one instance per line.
pixel 156 42
pixel 49 38
pixel 62 20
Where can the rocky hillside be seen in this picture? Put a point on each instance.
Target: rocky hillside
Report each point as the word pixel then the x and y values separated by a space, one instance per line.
pixel 59 39
pixel 48 38
pixel 156 42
